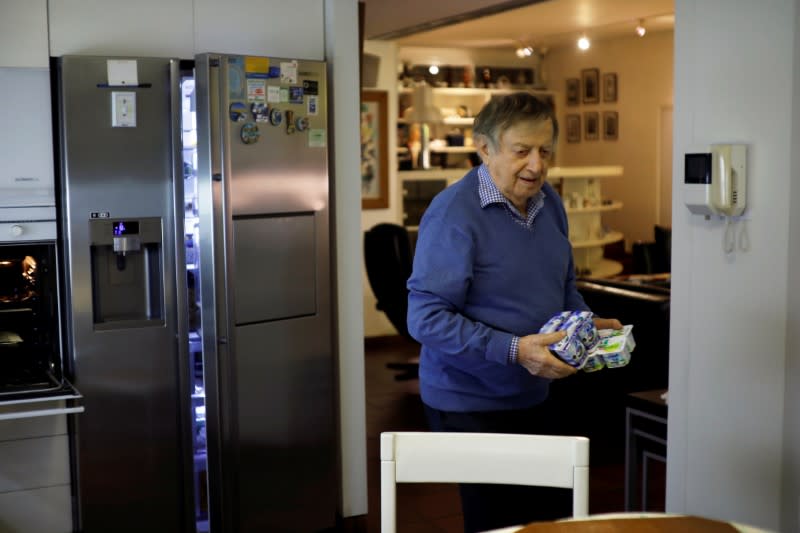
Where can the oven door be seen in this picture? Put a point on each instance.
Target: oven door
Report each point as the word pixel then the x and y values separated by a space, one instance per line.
pixel 31 363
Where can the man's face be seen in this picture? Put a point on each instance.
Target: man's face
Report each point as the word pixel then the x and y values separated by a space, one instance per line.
pixel 519 163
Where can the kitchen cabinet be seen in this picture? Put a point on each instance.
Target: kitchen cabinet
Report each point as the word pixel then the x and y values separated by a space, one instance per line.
pixel 581 193
pixel 35 490
pixel 23 34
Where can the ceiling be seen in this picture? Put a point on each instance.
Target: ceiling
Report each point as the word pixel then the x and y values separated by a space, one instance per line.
pixel 542 24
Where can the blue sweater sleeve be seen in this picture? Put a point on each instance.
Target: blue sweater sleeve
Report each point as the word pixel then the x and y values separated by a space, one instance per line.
pixel 442 273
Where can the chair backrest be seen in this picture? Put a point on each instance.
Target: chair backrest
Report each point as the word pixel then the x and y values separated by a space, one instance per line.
pixel 442 457
pixel 388 261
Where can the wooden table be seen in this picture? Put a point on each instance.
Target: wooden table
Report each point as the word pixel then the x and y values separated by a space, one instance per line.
pixel 634 523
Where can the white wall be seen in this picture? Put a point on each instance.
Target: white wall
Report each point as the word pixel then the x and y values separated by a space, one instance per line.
pixel 729 350
pixel 341 44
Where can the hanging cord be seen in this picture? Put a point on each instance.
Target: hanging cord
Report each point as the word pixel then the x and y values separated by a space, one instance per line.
pixel 729 240
pixel 744 237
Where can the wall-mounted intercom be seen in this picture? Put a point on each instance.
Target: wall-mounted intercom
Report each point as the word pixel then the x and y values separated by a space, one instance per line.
pixel 715 182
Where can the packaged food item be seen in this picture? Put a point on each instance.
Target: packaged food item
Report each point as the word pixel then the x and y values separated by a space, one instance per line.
pixel 587 348
pixel 614 346
pixel 572 349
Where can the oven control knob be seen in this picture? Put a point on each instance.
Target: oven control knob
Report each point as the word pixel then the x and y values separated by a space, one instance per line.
pixel 16 230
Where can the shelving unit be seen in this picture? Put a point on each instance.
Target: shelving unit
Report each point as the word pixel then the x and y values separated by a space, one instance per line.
pixel 580 191
pixel 458 106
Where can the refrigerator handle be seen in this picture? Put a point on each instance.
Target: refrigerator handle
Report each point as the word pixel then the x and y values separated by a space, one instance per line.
pixel 216 133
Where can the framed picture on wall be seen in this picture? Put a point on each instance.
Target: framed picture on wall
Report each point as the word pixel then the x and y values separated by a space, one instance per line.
pixel 573 128
pixel 610 125
pixel 374 152
pixel 592 127
pixel 573 91
pixel 590 78
pixel 610 87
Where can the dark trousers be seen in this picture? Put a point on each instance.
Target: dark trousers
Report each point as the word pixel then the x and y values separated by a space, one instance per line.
pixel 488 506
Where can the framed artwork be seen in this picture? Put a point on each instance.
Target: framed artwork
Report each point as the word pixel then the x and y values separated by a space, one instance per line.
pixel 610 125
pixel 573 91
pixel 573 128
pixel 610 87
pixel 590 78
pixel 374 152
pixel 591 121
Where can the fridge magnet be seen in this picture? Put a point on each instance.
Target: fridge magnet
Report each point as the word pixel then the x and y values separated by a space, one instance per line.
pixel 238 112
pixel 610 125
pixel 289 72
pixel 374 154
pixel 311 105
pixel 290 127
pixel 295 94
pixel 273 94
pixel 284 94
pixel 316 138
pixel 591 91
pixel 235 78
pixel 256 90
pixel 250 133
pixel 256 67
pixel 610 87
pixel 260 112
pixel 310 87
pixel 592 131
pixel 275 116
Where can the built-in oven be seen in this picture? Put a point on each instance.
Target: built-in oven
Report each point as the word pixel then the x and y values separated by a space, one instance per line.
pixel 30 351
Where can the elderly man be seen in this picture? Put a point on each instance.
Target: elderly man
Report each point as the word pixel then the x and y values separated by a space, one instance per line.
pixel 492 264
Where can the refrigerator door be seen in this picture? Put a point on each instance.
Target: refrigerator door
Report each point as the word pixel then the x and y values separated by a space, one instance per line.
pixel 266 298
pixel 121 185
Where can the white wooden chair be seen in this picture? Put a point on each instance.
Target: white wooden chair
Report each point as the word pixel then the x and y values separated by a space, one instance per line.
pixel 442 457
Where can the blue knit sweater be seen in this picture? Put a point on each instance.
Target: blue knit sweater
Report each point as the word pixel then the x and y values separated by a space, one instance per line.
pixel 479 278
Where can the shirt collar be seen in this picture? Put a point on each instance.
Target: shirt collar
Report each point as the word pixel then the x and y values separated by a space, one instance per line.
pixel 490 194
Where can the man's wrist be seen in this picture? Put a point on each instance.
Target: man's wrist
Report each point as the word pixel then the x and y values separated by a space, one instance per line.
pixel 513 350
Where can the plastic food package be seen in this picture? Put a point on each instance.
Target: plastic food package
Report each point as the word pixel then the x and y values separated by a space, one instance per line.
pixel 585 347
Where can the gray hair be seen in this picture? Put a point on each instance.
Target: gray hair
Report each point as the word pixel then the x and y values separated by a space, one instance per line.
pixel 504 111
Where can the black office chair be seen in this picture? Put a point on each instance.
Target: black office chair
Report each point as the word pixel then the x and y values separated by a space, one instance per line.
pixel 388 260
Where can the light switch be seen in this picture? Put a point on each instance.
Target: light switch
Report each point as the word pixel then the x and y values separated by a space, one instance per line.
pixel 123 109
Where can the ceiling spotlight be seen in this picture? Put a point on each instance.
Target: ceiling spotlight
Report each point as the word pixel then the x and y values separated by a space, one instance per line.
pixel 640 29
pixel 524 51
pixel 584 43
pixel 433 69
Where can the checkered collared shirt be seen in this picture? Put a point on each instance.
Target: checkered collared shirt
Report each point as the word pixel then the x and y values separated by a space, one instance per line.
pixel 490 194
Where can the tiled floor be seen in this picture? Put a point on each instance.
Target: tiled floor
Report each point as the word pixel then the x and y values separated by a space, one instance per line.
pixel 395 406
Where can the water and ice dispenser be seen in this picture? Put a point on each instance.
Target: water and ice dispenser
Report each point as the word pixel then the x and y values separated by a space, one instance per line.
pixel 127 265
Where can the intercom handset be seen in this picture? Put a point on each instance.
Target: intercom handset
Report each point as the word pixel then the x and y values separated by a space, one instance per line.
pixel 715 181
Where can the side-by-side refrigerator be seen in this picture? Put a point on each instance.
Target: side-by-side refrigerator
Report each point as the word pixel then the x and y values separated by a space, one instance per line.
pixel 194 222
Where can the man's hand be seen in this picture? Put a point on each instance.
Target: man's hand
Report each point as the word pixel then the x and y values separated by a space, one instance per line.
pixel 536 357
pixel 607 323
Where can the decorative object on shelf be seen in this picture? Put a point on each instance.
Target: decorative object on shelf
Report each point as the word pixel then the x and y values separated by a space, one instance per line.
pixel 591 119
pixel 374 153
pixel 610 87
pixel 573 128
pixel 591 81
pixel 610 125
pixel 573 91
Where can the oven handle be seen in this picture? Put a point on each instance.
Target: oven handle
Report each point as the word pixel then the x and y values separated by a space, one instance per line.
pixel 67 403
pixel 41 412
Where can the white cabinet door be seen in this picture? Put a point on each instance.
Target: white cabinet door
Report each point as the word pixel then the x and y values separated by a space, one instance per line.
pixel 23 33
pixel 145 28
pixel 276 28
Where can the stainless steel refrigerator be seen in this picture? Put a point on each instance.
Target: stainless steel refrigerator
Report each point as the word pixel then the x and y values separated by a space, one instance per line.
pixel 195 225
